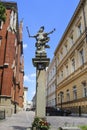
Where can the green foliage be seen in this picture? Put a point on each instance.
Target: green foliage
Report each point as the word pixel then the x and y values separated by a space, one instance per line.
pixel 2 12
pixel 83 127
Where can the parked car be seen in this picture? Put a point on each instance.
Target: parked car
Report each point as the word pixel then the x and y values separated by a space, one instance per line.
pixel 27 109
pixel 52 111
pixel 67 112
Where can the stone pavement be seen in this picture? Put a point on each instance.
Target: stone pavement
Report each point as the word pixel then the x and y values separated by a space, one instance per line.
pixel 19 121
pixel 23 121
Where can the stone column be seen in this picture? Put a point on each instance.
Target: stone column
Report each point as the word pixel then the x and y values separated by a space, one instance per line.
pixel 40 94
pixel 40 62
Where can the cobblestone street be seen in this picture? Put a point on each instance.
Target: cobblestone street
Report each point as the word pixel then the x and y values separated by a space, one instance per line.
pixel 23 120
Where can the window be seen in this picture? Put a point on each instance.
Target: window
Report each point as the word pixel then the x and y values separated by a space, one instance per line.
pixel 62 74
pixel 66 48
pixel 73 65
pixel 58 98
pixel 71 40
pixel 81 54
pixel 68 95
pixel 84 85
pixel 79 29
pixel 74 92
pixel 13 18
pixel 66 70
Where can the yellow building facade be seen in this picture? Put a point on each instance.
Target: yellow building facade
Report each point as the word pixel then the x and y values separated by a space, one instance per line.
pixel 71 63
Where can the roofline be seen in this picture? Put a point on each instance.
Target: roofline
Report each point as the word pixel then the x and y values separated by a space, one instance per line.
pixel 69 25
pixel 10 5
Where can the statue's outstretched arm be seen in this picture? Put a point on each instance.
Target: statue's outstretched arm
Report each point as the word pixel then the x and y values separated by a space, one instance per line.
pixel 51 31
pixel 29 33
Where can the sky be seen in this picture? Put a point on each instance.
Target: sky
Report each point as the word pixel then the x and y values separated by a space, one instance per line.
pixel 36 13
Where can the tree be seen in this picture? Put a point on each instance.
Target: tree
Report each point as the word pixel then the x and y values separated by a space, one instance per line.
pixel 2 12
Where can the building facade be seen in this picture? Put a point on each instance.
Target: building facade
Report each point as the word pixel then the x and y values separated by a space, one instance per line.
pixel 71 63
pixel 11 61
pixel 25 97
pixel 51 84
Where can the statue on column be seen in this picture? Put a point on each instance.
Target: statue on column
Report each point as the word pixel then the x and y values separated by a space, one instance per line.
pixel 41 39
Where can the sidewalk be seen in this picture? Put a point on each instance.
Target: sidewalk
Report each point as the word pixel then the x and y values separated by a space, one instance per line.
pixel 19 121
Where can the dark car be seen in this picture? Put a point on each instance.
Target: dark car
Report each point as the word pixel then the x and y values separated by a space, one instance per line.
pixel 52 111
pixel 67 112
pixel 27 109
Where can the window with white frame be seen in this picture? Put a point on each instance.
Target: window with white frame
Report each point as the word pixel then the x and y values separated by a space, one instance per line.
pixel 81 56
pixel 74 92
pixel 68 95
pixel 84 86
pixel 13 19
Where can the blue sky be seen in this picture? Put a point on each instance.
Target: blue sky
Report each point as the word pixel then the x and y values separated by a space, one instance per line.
pixel 50 14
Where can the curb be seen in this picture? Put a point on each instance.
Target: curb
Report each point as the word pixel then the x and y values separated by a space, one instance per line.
pixel 69 128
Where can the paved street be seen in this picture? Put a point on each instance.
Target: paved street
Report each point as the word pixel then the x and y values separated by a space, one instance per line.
pixel 19 121
pixel 23 120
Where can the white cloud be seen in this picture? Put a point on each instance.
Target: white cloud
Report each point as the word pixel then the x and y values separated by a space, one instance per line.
pixel 26 78
pixel 33 75
pixel 24 46
pixel 30 78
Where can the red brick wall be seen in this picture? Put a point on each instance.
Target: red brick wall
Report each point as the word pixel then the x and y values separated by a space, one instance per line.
pixel 11 84
pixel 7 82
